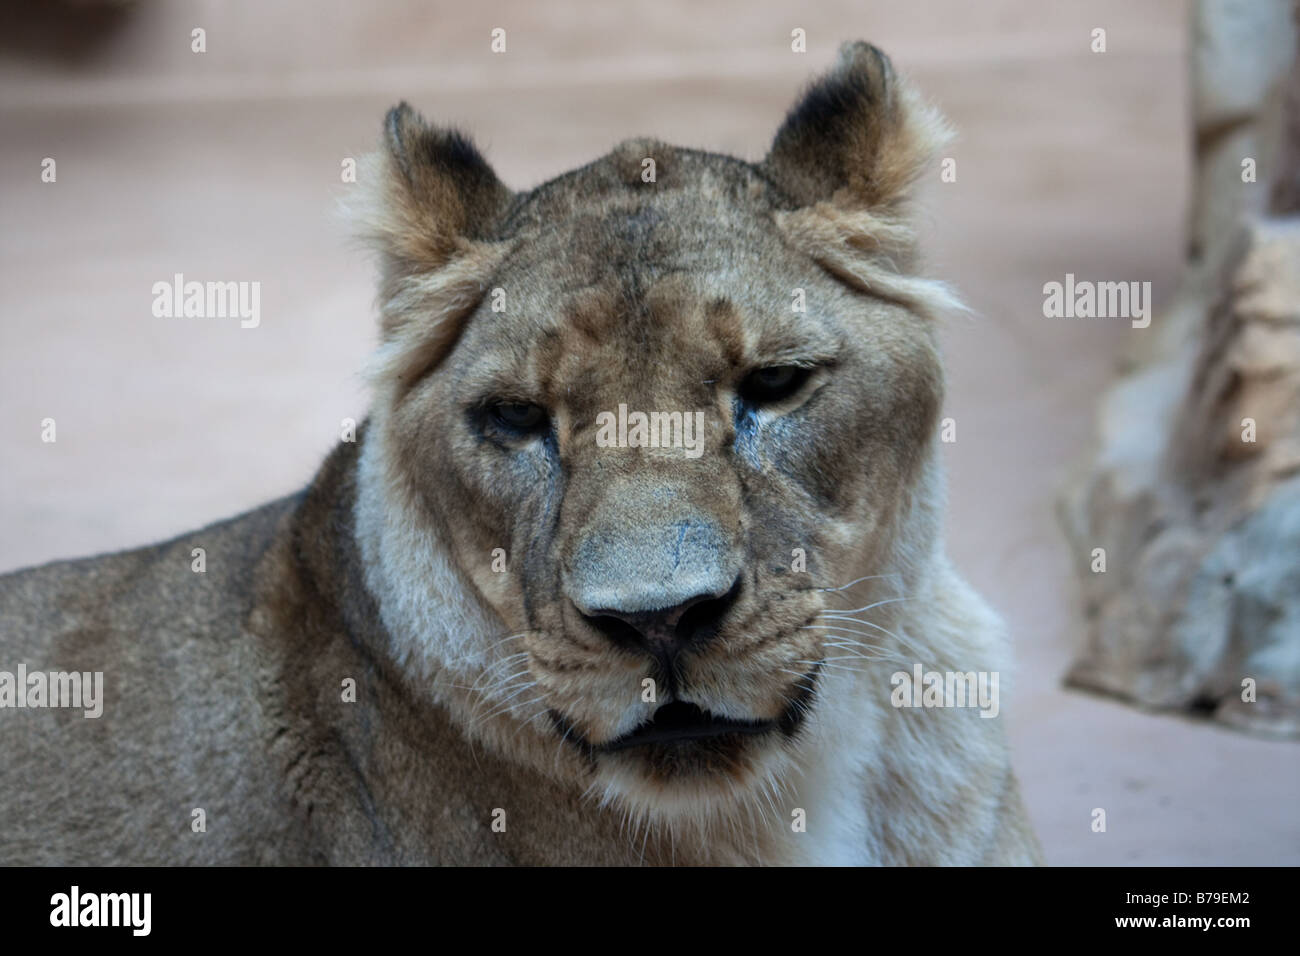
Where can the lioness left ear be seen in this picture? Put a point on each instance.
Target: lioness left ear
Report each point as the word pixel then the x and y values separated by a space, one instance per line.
pixel 440 183
pixel 431 206
pixel 858 137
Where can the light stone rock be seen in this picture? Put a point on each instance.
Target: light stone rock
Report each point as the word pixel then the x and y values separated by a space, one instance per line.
pixel 1201 528
pixel 1239 47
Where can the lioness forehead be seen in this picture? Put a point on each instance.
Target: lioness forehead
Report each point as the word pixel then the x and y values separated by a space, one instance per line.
pixel 581 323
pixel 697 212
pixel 612 275
pixel 641 166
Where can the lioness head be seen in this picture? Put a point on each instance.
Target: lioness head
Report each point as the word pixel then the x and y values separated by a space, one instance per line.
pixel 635 431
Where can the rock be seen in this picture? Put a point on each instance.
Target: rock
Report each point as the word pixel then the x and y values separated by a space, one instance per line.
pixel 1244 608
pixel 1239 47
pixel 1193 491
pixel 1194 494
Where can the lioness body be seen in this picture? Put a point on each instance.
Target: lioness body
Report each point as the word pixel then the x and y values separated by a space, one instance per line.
pixel 482 635
pixel 227 696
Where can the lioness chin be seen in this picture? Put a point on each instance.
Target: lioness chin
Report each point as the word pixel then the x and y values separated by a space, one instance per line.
pixel 646 514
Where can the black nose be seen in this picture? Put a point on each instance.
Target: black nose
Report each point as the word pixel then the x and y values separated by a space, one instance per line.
pixel 666 632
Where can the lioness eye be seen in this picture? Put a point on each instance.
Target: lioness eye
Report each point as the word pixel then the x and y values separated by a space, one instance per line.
pixel 521 417
pixel 773 384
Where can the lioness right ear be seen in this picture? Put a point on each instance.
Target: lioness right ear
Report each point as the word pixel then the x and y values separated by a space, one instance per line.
pixel 431 210
pixel 858 137
pixel 846 158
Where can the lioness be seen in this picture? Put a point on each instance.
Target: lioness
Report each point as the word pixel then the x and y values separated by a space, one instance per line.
pixel 643 524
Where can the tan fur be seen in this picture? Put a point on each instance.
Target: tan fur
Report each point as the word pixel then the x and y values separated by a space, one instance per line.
pixel 488 695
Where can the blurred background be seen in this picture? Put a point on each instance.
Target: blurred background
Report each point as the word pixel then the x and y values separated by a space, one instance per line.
pixel 225 165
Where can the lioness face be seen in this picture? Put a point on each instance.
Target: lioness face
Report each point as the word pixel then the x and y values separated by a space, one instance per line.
pixel 684 428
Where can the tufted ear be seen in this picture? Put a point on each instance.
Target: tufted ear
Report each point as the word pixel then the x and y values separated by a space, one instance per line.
pixel 430 205
pixel 859 136
pixel 430 200
pixel 847 156
pixel 441 185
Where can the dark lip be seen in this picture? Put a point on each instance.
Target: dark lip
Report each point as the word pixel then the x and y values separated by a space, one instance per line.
pixel 789 724
pixel 682 721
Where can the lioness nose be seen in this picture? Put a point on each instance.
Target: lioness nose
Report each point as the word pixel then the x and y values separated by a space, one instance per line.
pixel 666 632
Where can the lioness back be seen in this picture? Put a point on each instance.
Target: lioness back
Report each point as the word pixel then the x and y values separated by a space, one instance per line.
pixel 180 704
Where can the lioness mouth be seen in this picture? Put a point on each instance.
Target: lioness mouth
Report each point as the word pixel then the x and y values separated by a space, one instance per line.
pixel 681 721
